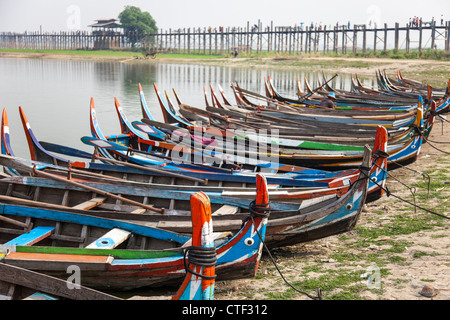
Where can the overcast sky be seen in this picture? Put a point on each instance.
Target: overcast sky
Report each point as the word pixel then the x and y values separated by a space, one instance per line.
pixel 65 15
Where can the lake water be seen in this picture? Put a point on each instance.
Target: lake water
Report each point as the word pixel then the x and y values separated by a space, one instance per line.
pixel 55 94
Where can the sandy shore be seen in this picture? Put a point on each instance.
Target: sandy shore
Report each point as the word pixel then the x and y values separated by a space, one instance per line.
pixel 412 261
pixel 408 262
pixel 423 70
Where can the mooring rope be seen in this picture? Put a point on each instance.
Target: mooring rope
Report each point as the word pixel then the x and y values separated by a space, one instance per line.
pixel 200 256
pixel 389 193
pixel 253 207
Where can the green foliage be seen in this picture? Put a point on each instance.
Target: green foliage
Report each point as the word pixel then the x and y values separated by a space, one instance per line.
pixel 428 54
pixel 135 20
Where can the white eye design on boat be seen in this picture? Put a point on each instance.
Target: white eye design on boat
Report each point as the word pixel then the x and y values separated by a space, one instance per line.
pixel 349 206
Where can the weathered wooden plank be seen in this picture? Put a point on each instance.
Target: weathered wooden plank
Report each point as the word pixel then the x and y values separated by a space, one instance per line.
pixel 216 236
pixel 57 261
pixel 47 284
pixel 13 221
pixel 32 237
pixel 226 209
pixel 91 220
pixel 94 202
pixel 182 226
pixel 38 296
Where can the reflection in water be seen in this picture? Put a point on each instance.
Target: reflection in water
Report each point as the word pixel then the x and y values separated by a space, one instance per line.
pixel 55 94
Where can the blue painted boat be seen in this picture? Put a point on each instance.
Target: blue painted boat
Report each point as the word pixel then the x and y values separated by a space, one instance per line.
pixel 131 254
pixel 230 207
pixel 23 284
pixel 282 187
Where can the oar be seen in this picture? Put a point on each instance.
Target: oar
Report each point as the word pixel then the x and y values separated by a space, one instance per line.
pixel 15 222
pixel 111 145
pixel 98 191
pixel 316 89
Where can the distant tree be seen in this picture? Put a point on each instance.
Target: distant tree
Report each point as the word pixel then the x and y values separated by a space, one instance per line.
pixel 136 23
pixel 133 19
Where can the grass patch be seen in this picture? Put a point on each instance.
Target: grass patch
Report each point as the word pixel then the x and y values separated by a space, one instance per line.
pixel 78 52
pixel 341 284
pixel 402 54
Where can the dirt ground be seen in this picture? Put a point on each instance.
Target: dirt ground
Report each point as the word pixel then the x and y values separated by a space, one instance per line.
pixel 405 280
pixel 424 260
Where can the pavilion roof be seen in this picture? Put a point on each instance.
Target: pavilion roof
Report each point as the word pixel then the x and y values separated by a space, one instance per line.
pixel 106 23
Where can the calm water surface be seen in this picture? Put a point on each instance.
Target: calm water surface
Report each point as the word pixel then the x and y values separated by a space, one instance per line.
pixel 55 94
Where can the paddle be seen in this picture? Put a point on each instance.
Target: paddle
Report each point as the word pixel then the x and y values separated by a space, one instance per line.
pixel 97 191
pixel 316 89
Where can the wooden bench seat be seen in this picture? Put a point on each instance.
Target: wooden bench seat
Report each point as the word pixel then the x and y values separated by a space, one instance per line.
pixel 32 237
pixel 110 240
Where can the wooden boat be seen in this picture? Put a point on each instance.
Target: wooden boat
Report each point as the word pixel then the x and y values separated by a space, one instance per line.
pixel 166 149
pixel 401 154
pixel 317 136
pixel 417 84
pixel 284 143
pixel 442 103
pixel 23 284
pixel 285 189
pixel 401 85
pixel 315 181
pixel 311 101
pixel 127 254
pixel 348 104
pixel 301 176
pixel 230 209
pixel 37 152
pixel 227 117
pixel 380 145
pixel 322 138
pixel 371 99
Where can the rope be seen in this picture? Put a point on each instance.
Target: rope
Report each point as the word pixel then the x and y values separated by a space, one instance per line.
pixel 427 141
pixel 413 204
pixel 255 209
pixel 263 207
pixel 438 114
pixel 200 256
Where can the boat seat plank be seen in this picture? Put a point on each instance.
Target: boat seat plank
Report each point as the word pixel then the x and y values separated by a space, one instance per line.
pixel 225 209
pixel 94 202
pixel 110 240
pixel 139 211
pixel 57 261
pixel 32 237
pixel 184 226
pixel 215 235
pixel 40 296
pixel 122 207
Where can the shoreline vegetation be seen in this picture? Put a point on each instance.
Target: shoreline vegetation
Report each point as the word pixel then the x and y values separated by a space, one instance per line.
pixel 432 68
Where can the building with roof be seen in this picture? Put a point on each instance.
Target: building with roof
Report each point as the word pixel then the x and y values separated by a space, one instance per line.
pixel 105 25
pixel 106 33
